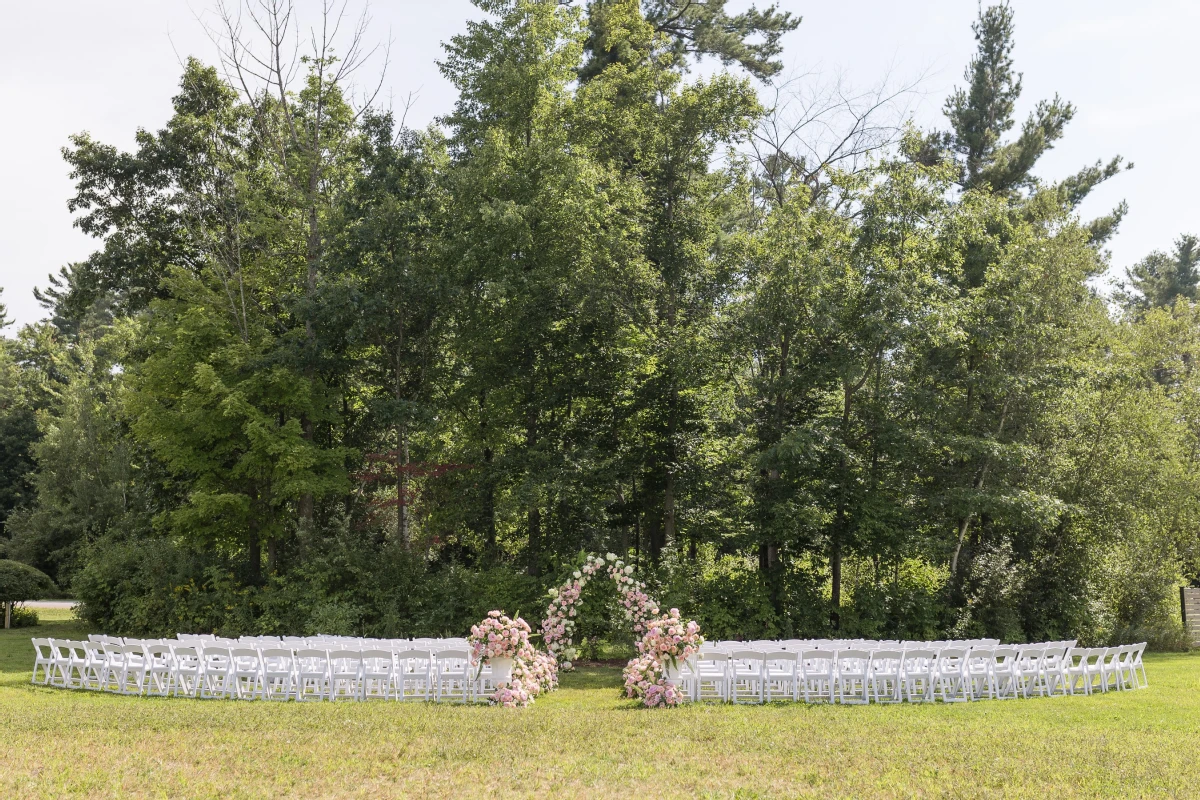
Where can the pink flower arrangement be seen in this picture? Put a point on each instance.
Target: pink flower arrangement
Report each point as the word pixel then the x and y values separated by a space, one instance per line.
pixel 558 628
pixel 498 637
pixel 533 671
pixel 668 640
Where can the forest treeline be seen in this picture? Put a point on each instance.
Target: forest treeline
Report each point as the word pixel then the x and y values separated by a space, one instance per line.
pixel 326 372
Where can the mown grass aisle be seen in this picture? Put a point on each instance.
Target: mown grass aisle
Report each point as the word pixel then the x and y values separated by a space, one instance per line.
pixel 584 741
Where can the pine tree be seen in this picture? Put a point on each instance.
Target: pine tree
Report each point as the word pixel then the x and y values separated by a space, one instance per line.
pixel 981 114
pixel 1160 278
pixel 696 29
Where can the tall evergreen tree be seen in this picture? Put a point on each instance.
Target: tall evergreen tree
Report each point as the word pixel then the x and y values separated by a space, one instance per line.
pixel 1159 279
pixel 981 114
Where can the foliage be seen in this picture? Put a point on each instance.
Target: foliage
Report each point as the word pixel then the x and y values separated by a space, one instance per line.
pixel 574 316
pixel 19 582
pixel 24 617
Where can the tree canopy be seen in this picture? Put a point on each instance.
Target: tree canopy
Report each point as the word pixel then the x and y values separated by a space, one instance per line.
pixel 326 372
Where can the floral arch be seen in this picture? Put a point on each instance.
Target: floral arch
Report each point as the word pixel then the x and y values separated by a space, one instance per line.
pixel 558 628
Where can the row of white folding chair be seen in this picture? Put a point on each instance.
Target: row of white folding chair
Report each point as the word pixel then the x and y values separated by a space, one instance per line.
pixel 947 674
pixel 795 645
pixel 271 673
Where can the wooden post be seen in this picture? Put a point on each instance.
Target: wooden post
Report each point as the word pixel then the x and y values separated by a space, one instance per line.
pixel 7 614
pixel 1189 608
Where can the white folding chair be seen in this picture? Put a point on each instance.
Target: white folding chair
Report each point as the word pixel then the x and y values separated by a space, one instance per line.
pixel 883 675
pixel 712 675
pixel 160 669
pixel 1029 671
pixel 851 676
pixel 918 675
pixel 132 670
pixel 345 675
pixel 414 675
pixel 780 671
pixel 978 670
pixel 746 671
pixel 378 674
pixel 60 663
pixel 278 673
pixel 216 668
pixel 1003 667
pixel 312 674
pixel 1053 670
pixel 43 659
pixel 246 672
pixel 1137 665
pixel 817 670
pixel 186 668
pixel 452 675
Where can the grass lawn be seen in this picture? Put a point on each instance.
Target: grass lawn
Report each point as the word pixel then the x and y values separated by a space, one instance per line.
pixel 583 741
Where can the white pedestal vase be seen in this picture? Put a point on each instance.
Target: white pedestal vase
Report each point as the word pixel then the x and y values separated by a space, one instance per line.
pixel 501 670
pixel 672 674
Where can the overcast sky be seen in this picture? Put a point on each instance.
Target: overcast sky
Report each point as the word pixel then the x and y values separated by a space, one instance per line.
pixel 111 67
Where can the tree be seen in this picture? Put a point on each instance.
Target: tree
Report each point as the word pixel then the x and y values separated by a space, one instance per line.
pixel 18 430
pixel 982 114
pixel 20 582
pixel 696 28
pixel 1159 279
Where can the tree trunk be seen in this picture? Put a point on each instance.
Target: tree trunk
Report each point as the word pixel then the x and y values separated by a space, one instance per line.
pixel 402 488
pixel 272 555
pixel 535 541
pixel 835 578
pixel 489 503
pixel 535 512
pixel 254 556
pixel 8 615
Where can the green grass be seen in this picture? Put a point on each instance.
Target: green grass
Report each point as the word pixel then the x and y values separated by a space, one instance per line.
pixel 584 741
pixel 55 614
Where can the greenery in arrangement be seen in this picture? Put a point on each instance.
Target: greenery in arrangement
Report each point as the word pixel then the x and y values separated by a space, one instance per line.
pixel 326 373
pixel 589 743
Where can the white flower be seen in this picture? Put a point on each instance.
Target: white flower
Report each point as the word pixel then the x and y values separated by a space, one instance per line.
pixel 578 574
pixel 553 593
pixel 612 556
pixel 629 570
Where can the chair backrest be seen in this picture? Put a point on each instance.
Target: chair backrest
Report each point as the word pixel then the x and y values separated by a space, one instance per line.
pixel 451 659
pixel 781 659
pixel 749 656
pixel 277 657
pixel 245 657
pixel 377 661
pixel 886 660
pixel 853 659
pixel 215 657
pixel 1030 654
pixel 817 660
pixel 158 654
pixel 186 658
pixel 919 660
pixel 978 657
pixel 345 660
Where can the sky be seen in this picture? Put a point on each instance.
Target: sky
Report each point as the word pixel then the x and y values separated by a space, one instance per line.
pixel 109 68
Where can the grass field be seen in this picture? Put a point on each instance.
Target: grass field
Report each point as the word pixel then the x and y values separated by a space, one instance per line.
pixel 584 741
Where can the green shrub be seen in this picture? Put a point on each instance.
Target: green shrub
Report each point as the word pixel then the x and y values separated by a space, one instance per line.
pixel 23 617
